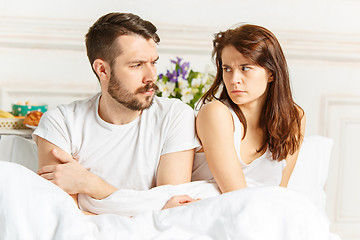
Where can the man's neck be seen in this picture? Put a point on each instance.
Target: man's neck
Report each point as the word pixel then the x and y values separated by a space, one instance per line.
pixel 115 113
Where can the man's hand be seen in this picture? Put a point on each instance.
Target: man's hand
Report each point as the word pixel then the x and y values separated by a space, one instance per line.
pixel 60 168
pixel 179 200
pixel 69 175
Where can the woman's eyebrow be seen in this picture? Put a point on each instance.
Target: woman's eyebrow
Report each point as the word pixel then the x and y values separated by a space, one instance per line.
pixel 225 65
pixel 241 65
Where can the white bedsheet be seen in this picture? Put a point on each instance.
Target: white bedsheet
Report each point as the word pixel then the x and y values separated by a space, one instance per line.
pixel 33 208
pixel 132 202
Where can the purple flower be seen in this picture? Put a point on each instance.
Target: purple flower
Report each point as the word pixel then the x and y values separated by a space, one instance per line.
pixel 181 68
pixel 172 76
pixel 176 62
pixel 184 68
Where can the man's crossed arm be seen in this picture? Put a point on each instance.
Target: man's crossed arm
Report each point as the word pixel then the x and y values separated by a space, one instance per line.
pixel 60 168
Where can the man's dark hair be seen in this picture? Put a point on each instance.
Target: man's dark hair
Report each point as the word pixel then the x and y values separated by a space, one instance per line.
pixel 103 33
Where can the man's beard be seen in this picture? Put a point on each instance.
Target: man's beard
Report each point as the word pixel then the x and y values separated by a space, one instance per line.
pixel 118 92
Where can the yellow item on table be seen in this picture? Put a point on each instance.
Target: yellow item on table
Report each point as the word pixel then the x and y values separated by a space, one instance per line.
pixel 4 114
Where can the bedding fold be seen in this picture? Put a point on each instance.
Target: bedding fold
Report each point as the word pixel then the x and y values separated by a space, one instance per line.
pixel 33 208
pixel 132 202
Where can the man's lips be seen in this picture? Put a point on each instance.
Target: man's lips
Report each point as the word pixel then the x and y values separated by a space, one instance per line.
pixel 148 89
pixel 148 92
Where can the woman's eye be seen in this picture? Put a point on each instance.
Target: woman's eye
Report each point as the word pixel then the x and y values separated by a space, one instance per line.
pixel 245 68
pixel 226 69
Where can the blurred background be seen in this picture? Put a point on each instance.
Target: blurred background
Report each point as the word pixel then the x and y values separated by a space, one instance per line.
pixel 43 60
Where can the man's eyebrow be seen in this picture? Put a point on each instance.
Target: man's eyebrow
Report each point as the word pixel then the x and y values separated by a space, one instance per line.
pixel 136 61
pixel 141 61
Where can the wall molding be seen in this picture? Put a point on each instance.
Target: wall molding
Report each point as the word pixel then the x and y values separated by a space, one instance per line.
pixel 340 114
pixel 345 123
pixel 20 32
pixel 52 97
pixel 330 101
pixel 68 34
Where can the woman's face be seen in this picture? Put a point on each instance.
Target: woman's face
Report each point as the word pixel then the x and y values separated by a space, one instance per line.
pixel 246 82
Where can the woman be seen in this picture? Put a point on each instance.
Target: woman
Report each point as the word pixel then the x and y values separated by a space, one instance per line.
pixel 252 133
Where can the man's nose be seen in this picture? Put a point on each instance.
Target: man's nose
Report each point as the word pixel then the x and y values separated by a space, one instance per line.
pixel 150 74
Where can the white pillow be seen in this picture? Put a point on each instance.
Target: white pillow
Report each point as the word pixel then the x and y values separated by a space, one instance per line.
pixel 311 169
pixel 19 150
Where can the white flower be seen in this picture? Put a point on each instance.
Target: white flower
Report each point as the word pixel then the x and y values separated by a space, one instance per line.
pixel 166 88
pixel 186 95
pixel 206 87
pixel 209 70
pixel 183 83
pixel 194 91
pixel 208 75
pixel 204 78
pixel 188 88
pixel 196 82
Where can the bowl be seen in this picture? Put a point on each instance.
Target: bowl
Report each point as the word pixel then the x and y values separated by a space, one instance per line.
pixel 22 110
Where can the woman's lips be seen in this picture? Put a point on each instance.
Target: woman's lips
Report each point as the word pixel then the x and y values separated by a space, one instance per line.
pixel 238 91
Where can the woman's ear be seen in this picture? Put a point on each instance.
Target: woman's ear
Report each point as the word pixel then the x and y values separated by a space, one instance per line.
pixel 271 77
pixel 102 69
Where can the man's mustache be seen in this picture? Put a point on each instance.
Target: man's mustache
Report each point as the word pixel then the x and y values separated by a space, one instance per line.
pixel 147 87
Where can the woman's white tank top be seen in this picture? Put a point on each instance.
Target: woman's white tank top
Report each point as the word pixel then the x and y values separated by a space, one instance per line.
pixel 262 171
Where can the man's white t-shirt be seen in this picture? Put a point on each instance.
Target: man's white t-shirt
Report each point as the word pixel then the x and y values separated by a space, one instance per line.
pixel 126 156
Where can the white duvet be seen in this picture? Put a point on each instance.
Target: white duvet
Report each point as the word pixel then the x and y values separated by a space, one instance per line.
pixel 33 208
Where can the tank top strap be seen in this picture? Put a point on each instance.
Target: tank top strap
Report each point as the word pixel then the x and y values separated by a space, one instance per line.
pixel 237 128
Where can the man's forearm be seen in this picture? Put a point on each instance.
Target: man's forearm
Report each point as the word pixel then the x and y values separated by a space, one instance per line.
pixel 127 202
pixel 96 187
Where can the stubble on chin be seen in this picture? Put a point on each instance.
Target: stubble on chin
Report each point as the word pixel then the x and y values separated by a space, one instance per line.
pixel 133 101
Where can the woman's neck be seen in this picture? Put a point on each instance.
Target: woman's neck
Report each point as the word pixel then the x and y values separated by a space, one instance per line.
pixel 253 110
pixel 252 115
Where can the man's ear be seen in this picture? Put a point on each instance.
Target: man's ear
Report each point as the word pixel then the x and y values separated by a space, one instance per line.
pixel 102 69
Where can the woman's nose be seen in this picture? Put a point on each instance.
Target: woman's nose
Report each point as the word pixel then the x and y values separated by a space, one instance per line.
pixel 237 77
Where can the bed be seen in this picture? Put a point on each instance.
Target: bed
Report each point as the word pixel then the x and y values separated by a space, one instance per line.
pixel 33 208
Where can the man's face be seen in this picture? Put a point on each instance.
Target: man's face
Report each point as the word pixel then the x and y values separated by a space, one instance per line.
pixel 133 74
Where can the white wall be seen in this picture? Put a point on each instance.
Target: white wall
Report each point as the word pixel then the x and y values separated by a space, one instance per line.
pixel 41 42
pixel 42 57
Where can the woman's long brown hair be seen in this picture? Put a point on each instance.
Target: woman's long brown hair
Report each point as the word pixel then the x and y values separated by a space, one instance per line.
pixel 280 118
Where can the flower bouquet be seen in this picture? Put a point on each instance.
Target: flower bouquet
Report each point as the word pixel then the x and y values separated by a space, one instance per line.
pixel 183 83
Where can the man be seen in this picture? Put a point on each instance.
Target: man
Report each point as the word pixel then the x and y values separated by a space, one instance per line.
pixel 124 137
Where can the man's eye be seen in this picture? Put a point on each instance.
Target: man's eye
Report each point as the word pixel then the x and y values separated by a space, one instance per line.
pixel 136 65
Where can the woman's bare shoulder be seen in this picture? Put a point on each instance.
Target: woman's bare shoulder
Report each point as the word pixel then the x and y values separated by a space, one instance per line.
pixel 214 108
pixel 214 115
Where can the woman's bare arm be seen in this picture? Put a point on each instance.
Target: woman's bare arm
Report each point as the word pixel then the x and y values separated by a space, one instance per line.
pixel 215 130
